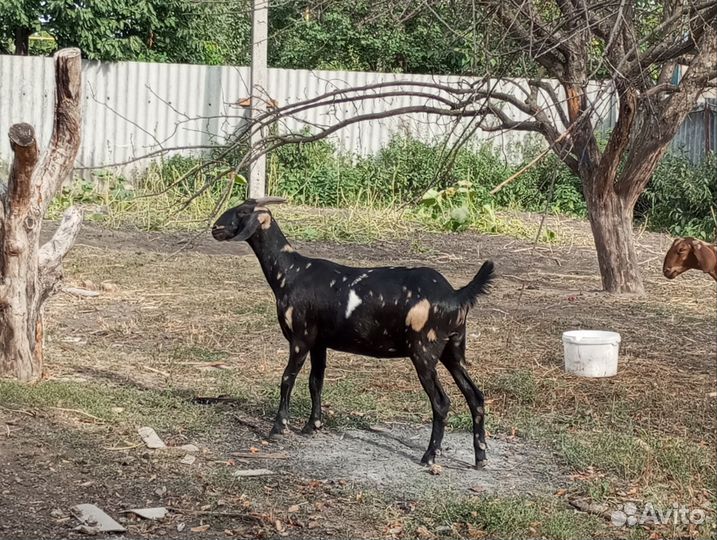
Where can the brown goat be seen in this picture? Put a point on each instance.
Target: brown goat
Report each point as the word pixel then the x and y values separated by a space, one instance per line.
pixel 689 253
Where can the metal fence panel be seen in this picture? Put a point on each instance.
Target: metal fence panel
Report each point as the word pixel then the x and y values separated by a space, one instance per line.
pixel 132 109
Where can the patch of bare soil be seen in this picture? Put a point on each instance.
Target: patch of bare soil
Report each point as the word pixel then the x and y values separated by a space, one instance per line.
pixel 388 459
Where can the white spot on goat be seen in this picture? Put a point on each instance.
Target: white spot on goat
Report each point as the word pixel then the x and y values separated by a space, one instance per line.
pixel 308 266
pixel 353 303
pixel 343 278
pixel 283 282
pixel 287 249
pixel 278 275
pixel 355 281
pixel 296 349
pixel 332 283
pixel 287 317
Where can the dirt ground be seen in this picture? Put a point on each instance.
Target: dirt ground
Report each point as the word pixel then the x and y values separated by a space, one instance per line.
pixel 175 322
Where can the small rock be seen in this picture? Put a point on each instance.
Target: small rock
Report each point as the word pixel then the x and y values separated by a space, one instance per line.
pixel 294 508
pixel 150 438
pixel 189 459
pixel 117 409
pixel 160 491
pixel 57 513
pixel 89 514
pixel 181 526
pixel 252 472
pixel 435 469
pixel 158 512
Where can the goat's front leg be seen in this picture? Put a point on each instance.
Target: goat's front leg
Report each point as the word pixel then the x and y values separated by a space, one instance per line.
pixel 426 369
pixel 316 383
pixel 297 356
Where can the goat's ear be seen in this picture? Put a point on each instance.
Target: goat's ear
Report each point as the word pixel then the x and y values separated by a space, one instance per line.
pixel 704 255
pixel 249 229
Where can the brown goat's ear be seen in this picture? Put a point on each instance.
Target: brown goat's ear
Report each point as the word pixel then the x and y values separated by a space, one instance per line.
pixel 705 256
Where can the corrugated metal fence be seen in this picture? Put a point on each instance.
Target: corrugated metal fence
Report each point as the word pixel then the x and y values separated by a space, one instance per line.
pixel 698 133
pixel 132 109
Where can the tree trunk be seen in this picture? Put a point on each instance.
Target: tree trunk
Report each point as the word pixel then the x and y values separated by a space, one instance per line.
pixel 611 222
pixel 30 274
pixel 22 41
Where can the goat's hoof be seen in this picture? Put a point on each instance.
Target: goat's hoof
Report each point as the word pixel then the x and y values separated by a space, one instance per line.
pixel 277 432
pixel 480 464
pixel 428 459
pixel 312 427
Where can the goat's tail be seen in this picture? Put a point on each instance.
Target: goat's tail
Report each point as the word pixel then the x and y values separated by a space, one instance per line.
pixel 468 295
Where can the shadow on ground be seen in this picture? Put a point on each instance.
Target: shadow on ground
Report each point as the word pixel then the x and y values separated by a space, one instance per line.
pixel 389 460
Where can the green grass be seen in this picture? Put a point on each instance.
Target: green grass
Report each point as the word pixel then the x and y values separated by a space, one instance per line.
pixel 380 201
pixel 161 409
pixel 504 518
pixel 668 465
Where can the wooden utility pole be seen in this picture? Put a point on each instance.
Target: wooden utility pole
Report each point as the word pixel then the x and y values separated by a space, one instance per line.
pixel 31 273
pixel 259 97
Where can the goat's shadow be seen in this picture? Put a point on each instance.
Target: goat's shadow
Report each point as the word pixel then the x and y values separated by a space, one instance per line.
pixel 384 440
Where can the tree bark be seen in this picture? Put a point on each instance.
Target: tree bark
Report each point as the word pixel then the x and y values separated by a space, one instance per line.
pixel 30 274
pixel 22 41
pixel 611 222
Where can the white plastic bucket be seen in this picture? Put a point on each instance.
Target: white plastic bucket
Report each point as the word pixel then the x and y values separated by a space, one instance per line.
pixel 591 353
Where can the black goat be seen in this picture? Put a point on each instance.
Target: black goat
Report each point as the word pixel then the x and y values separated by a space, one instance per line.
pixel 381 312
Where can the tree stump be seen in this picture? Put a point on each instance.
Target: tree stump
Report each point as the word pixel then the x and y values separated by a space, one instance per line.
pixel 30 273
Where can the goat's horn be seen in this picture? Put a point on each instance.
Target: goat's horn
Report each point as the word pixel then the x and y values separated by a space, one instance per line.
pixel 269 200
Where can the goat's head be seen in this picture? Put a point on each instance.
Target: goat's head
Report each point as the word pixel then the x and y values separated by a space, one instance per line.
pixel 241 222
pixel 685 254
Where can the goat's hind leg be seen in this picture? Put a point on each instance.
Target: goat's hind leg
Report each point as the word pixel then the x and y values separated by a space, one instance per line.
pixel 452 358
pixel 316 384
pixel 297 357
pixel 426 368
